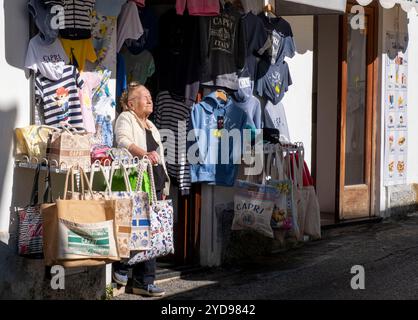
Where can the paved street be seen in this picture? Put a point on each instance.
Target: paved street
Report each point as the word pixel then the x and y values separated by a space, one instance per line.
pixel 319 270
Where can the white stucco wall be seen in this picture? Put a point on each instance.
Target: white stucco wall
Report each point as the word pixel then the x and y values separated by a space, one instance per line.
pixel 407 23
pixel 14 97
pixel 413 98
pixel 298 100
pixel 327 114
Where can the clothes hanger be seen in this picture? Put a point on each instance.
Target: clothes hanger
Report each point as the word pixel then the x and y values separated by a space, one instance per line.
pixel 222 95
pixel 269 9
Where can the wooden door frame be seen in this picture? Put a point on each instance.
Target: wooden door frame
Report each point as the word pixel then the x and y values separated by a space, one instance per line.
pixel 371 115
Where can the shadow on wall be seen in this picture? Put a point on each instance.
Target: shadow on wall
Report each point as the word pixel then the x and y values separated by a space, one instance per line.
pixel 303 32
pixel 401 40
pixel 23 278
pixel 16 29
pixel 8 116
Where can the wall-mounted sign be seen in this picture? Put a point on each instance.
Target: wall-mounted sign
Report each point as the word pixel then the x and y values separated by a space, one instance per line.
pixel 396 109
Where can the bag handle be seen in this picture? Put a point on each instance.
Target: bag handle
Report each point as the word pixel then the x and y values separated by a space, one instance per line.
pixel 267 165
pixel 296 170
pixel 72 130
pixel 147 165
pixel 48 186
pixel 141 171
pixel 102 170
pixel 35 189
pixel 83 177
pixel 287 160
pixel 301 160
pixel 125 150
pixel 125 175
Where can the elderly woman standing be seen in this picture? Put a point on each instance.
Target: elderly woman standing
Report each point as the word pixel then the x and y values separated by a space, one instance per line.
pixel 139 135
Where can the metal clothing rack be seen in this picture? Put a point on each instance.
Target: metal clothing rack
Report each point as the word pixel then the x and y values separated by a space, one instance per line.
pixel 62 168
pixel 290 147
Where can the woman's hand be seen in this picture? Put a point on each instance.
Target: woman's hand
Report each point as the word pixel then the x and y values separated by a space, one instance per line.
pixel 153 157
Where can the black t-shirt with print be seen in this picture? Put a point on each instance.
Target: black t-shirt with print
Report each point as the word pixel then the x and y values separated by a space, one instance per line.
pixel 281 43
pixel 223 44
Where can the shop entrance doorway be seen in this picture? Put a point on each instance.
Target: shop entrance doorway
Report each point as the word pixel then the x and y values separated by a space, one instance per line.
pixel 358 93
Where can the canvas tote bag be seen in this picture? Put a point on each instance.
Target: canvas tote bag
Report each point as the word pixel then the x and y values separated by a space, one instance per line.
pixel 32 140
pixel 312 215
pixel 30 236
pixel 132 211
pixel 162 219
pixel 70 147
pixel 254 204
pixel 284 213
pixel 79 233
pixel 140 234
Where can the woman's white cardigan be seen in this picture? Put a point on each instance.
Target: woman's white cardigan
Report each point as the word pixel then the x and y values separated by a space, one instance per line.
pixel 128 130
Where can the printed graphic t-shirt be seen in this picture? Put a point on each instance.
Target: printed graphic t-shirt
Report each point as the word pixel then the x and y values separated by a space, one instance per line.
pixel 223 49
pixel 49 60
pixel 59 100
pixel 275 118
pixel 281 43
pixel 273 81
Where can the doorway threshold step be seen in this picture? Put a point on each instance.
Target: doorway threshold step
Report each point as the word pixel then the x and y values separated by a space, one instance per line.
pixel 352 222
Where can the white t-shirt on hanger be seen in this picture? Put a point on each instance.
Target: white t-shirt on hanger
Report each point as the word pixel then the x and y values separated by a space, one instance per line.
pixel 129 24
pixel 275 118
pixel 49 60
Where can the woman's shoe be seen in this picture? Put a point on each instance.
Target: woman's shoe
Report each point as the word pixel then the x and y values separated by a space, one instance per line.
pixel 150 290
pixel 120 277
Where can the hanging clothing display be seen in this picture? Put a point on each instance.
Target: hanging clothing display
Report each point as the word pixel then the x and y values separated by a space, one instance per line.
pixel 281 43
pixel 256 38
pixel 42 16
pixel 139 3
pixel 128 25
pixel 273 81
pixel 198 7
pixel 48 59
pixel 275 118
pixel 91 82
pixel 59 99
pixel 121 80
pixel 149 39
pixel 79 51
pixel 173 114
pixel 178 55
pixel 104 107
pixel 245 100
pixel 223 49
pixel 108 8
pixel 138 67
pixel 77 18
pixel 103 32
pixel 208 118
pixel 254 6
